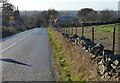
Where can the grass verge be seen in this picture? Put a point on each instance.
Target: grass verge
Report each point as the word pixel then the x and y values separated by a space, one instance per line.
pixel 70 64
pixel 61 64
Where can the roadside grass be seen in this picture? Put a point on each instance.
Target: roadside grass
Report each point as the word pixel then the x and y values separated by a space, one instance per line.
pixel 62 63
pixel 71 64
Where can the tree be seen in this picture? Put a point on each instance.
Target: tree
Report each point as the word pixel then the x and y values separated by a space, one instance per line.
pixel 40 19
pixel 107 15
pixel 7 10
pixel 36 19
pixel 7 7
pixel 44 14
pixel 87 14
pixel 53 12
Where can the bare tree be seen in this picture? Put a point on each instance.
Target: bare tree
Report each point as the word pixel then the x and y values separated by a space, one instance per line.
pixel 7 10
pixel 107 15
pixel 36 19
pixel 53 12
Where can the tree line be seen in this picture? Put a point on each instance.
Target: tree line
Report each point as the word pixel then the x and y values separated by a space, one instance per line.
pixel 38 19
pixel 85 14
pixel 92 15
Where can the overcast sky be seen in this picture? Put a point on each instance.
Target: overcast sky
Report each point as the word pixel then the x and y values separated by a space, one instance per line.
pixel 65 4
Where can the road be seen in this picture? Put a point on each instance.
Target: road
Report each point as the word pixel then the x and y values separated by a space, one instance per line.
pixel 27 57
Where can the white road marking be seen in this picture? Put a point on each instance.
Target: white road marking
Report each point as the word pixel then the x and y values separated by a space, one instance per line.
pixel 22 38
pixel 16 42
pixel 9 47
pixel 12 45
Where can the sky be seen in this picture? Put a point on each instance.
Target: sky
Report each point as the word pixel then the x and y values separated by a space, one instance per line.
pixel 65 4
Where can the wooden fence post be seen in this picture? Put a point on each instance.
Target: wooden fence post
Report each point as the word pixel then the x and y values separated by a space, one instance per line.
pixel 66 30
pixel 113 48
pixel 60 29
pixel 93 34
pixel 72 29
pixel 82 30
pixel 76 29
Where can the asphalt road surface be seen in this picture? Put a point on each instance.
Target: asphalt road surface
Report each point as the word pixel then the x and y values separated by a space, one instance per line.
pixel 27 57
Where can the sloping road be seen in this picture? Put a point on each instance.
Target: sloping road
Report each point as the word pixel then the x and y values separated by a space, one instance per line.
pixel 27 57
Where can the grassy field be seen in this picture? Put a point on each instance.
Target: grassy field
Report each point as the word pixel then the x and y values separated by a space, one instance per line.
pixel 107 28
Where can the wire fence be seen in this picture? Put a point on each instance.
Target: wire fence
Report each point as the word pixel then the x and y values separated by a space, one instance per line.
pixel 109 37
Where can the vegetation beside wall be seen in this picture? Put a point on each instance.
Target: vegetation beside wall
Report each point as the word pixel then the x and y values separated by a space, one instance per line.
pixel 70 63
pixel 61 64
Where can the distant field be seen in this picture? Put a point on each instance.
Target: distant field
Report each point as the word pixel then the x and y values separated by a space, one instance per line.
pixel 107 28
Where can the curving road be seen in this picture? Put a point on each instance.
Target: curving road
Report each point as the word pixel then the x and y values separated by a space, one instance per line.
pixel 27 57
